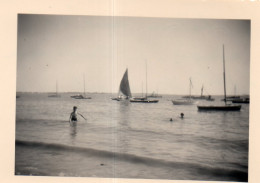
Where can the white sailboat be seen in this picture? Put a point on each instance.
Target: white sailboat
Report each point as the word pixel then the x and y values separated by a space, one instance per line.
pixel 184 101
pixel 124 91
pixel 226 107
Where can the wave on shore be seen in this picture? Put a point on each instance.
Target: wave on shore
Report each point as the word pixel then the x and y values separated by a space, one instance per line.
pixel 198 168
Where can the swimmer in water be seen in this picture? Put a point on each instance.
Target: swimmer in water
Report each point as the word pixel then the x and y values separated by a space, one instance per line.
pixel 182 115
pixel 74 115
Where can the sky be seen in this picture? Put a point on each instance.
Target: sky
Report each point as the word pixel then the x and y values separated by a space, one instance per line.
pixel 66 49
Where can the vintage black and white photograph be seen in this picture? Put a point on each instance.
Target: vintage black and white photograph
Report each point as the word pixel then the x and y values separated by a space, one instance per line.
pixel 132 97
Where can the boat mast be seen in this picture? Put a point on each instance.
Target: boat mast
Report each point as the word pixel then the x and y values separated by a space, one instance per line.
pixel 146 79
pixel 56 87
pixel 142 90
pixel 84 84
pixel 235 90
pixel 224 76
pixel 190 88
pixel 201 91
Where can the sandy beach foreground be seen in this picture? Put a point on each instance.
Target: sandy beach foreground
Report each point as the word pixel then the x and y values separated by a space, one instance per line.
pixel 34 159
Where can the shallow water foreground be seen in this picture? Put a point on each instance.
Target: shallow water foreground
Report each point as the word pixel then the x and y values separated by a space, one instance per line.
pixel 125 140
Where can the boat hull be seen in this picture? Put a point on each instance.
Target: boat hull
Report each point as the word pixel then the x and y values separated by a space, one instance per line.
pixel 144 101
pixel 242 101
pixel 82 97
pixel 54 96
pixel 220 108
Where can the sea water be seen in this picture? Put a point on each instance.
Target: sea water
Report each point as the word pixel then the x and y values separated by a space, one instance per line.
pixel 134 140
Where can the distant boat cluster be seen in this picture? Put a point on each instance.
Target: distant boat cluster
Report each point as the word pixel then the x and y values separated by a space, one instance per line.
pixel 78 96
pixel 125 94
pixel 231 103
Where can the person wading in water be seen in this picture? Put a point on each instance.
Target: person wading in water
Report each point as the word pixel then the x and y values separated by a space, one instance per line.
pixel 73 116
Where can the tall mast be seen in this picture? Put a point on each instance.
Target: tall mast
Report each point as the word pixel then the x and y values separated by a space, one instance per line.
pixel 146 79
pixel 84 83
pixel 56 87
pixel 190 88
pixel 224 76
pixel 142 90
pixel 201 91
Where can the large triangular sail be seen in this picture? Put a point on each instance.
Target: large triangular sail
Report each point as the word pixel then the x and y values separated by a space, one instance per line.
pixel 124 87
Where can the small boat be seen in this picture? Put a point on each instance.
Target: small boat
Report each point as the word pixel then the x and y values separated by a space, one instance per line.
pixel 184 101
pixel 226 107
pixel 231 98
pixel 209 98
pixel 124 91
pixel 144 99
pixel 241 100
pixel 201 97
pixel 55 95
pixel 79 96
pixel 154 95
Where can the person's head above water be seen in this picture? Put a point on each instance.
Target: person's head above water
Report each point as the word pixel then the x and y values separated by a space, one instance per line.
pixel 182 115
pixel 75 108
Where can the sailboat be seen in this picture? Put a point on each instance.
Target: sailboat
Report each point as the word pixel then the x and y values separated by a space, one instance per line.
pixel 144 99
pixel 186 101
pixel 57 95
pixel 155 95
pixel 226 107
pixel 84 94
pixel 124 91
pixel 203 97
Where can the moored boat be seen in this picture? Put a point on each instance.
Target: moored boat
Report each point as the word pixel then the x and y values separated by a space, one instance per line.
pixel 80 96
pixel 124 92
pixel 144 99
pixel 186 100
pixel 241 101
pixel 55 95
pixel 226 107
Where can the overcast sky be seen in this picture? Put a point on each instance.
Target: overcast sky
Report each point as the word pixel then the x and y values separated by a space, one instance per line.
pixel 64 48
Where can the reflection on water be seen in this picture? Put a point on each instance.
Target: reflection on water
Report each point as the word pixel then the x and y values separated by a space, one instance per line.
pixel 124 121
pixel 73 132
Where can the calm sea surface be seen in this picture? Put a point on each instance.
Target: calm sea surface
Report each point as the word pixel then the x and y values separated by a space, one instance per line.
pixel 202 146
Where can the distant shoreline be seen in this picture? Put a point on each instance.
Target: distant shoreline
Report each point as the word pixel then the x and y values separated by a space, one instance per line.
pixel 136 94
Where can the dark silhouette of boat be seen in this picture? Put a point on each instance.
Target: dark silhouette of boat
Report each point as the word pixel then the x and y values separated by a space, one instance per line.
pixel 124 92
pixel 226 107
pixel 201 97
pixel 79 96
pixel 154 95
pixel 187 100
pixel 241 100
pixel 144 99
